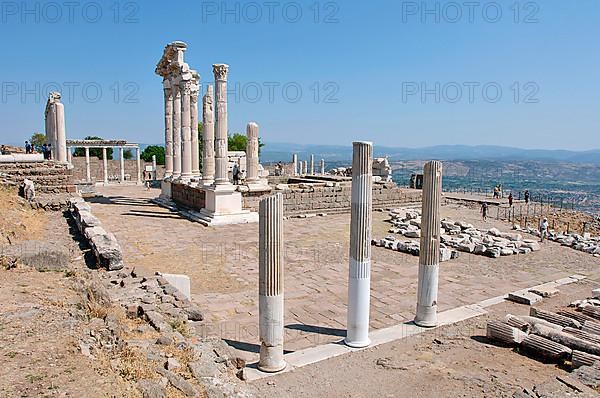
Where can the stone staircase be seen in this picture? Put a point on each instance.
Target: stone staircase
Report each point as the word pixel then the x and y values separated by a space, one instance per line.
pixel 48 176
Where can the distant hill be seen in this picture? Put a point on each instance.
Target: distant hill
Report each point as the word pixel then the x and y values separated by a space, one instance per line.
pixel 284 151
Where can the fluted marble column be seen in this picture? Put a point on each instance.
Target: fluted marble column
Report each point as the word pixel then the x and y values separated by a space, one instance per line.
pixel 270 284
pixel 295 161
pixel 322 166
pixel 252 153
pixel 104 165
pixel 359 276
pixel 122 164
pixel 194 111
pixel 88 174
pixel 208 137
pixel 168 128
pixel 312 165
pixel 177 162
pixel 186 130
pixel 429 256
pixel 221 156
pixel 69 156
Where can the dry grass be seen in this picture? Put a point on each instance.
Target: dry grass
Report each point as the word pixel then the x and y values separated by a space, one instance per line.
pixel 19 221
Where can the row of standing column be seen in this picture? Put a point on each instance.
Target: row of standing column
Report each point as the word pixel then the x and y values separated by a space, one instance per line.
pixel 301 167
pixel 182 158
pixel 271 267
pixel 105 164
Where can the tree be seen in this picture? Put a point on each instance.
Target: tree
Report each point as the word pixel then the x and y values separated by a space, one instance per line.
pixel 37 140
pixel 97 152
pixel 238 142
pixel 127 154
pixel 158 151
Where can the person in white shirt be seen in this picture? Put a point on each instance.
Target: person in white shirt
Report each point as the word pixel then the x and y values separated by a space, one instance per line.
pixel 543 229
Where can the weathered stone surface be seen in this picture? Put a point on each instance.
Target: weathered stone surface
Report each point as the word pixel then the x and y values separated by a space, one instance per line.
pixel 523 297
pixel 179 383
pixel 151 389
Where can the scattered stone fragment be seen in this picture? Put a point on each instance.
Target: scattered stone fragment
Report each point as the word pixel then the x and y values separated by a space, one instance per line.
pixel 524 297
pixel 151 389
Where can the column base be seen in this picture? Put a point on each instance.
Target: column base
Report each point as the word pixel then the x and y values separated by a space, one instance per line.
pixel 275 369
pixel 165 187
pixel 426 316
pixel 223 206
pixel 358 344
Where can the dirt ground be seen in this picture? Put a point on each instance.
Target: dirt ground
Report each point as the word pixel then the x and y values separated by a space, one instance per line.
pixel 453 361
pixel 41 321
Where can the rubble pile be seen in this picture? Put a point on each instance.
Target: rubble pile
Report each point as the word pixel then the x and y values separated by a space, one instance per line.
pixel 585 243
pixel 569 337
pixel 463 236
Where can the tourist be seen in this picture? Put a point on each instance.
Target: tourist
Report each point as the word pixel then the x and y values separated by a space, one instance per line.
pixel 510 200
pixel 543 229
pixel 45 151
pixel 27 147
pixel 3 150
pixel 484 211
pixel 526 197
pixel 496 192
pixel 49 151
pixel 236 174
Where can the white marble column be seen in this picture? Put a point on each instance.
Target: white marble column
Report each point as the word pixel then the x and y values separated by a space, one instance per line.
pixel 295 162
pixel 322 166
pixel 359 276
pixel 221 151
pixel 270 284
pixel 208 137
pixel 252 153
pixel 177 162
pixel 60 136
pixel 105 165
pixel 305 167
pixel 194 112
pixel 138 165
pixel 312 165
pixel 122 165
pixel 88 174
pixel 429 256
pixel 69 156
pixel 186 130
pixel 168 128
pixel 154 167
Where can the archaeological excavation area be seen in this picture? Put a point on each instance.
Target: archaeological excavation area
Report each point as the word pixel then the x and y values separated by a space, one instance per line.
pixel 219 276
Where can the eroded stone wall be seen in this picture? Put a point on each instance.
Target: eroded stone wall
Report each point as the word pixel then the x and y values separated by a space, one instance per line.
pixel 189 197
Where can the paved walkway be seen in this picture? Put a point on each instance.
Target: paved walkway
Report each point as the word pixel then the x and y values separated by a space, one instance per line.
pixel 223 266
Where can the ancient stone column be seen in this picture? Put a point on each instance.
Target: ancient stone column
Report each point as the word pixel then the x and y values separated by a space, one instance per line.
pixel 322 166
pixel 138 166
pixel 105 165
pixel 154 167
pixel 305 168
pixel 194 112
pixel 208 137
pixel 295 161
pixel 429 256
pixel 221 159
pixel 359 277
pixel 122 164
pixel 177 162
pixel 69 156
pixel 312 165
pixel 270 284
pixel 252 153
pixel 168 128
pixel 60 134
pixel 186 129
pixel 88 174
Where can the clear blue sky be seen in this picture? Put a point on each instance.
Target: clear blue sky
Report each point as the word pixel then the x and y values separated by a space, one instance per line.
pixel 369 59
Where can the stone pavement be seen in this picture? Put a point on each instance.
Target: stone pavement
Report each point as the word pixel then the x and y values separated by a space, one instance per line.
pixel 223 266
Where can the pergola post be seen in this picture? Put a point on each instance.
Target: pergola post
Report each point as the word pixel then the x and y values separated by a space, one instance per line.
pixel 88 177
pixel 122 164
pixel 105 165
pixel 138 165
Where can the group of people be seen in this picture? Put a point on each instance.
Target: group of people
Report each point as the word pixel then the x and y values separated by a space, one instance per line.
pixel 498 191
pixel 238 174
pixel 46 150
